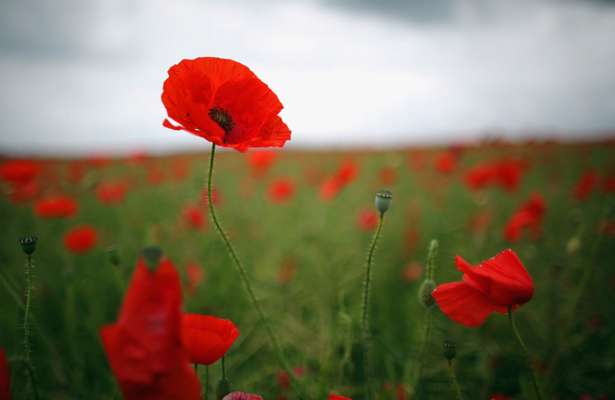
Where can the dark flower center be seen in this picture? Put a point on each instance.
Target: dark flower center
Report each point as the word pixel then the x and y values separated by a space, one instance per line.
pixel 222 118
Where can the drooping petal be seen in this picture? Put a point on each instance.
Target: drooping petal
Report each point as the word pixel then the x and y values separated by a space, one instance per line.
pixel 464 304
pixel 502 278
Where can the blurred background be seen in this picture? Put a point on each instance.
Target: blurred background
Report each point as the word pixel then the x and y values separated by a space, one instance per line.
pixel 86 76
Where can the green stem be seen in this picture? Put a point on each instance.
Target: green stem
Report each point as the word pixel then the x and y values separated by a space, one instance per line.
pixel 223 369
pixel 423 351
pixel 27 346
pixel 365 310
pixel 245 280
pixel 454 381
pixel 526 352
pixel 206 391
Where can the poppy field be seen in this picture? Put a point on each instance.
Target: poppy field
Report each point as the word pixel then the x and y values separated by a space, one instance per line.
pixel 470 271
pixel 303 237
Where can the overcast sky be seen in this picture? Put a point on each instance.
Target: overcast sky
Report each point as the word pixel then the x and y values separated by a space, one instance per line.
pixel 83 76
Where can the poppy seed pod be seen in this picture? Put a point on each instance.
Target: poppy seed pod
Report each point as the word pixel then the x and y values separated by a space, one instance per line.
pixel 425 297
pixel 152 255
pixel 450 350
pixel 28 244
pixel 383 201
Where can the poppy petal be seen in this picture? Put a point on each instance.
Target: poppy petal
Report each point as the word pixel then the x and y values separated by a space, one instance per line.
pixel 463 304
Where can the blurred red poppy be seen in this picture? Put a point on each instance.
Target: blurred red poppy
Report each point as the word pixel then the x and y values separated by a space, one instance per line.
pixel 195 274
pixel 499 396
pixel 242 396
pixel 24 192
pixel 412 272
pixel 446 162
pixel 586 185
pixel 155 175
pixel 529 215
pixel 216 197
pixel 207 338
pixel 284 379
pixel 144 346
pixel 287 271
pixel 194 218
pixel 56 207
pixel 224 102
pixel 504 173
pixel 19 171
pixel 281 190
pixel 80 239
pixel 5 377
pixel 111 193
pixel 261 161
pixel 346 173
pixel 338 397
pixel 493 285
pixel 76 171
pixel 609 184
pixel 367 220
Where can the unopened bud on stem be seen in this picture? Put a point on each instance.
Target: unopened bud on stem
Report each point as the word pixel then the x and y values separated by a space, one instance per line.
pixel 383 201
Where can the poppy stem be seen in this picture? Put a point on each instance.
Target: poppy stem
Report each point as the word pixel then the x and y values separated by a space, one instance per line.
pixel 454 382
pixel 526 352
pixel 246 281
pixel 206 392
pixel 365 311
pixel 27 345
pixel 223 369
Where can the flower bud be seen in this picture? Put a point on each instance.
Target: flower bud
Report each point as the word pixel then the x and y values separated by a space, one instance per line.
pixel 425 297
pixel 450 350
pixel 383 201
pixel 152 255
pixel 113 256
pixel 28 244
pixel 224 388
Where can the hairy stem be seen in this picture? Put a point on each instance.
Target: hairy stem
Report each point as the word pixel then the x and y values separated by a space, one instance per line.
pixel 365 311
pixel 27 345
pixel 526 353
pixel 245 280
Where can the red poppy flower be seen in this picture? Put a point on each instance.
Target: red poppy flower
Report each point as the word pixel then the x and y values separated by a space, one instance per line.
pixel 287 271
pixel 23 192
pixel 207 338
pixel 194 218
pixel 504 173
pixel 242 396
pixel 19 171
pixel 216 197
pixel 56 207
pixel 609 184
pixel 144 346
pixel 80 239
pixel 5 377
pixel 499 396
pixel 284 379
pixel 585 185
pixel 446 162
pixel 224 102
pixel 529 215
pixel 261 161
pixel 412 272
pixel 338 397
pixel 493 285
pixel 180 169
pixel 281 190
pixel 111 192
pixel 344 176
pixel 368 220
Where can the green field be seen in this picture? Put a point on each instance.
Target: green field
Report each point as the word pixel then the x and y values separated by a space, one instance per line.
pixel 306 258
